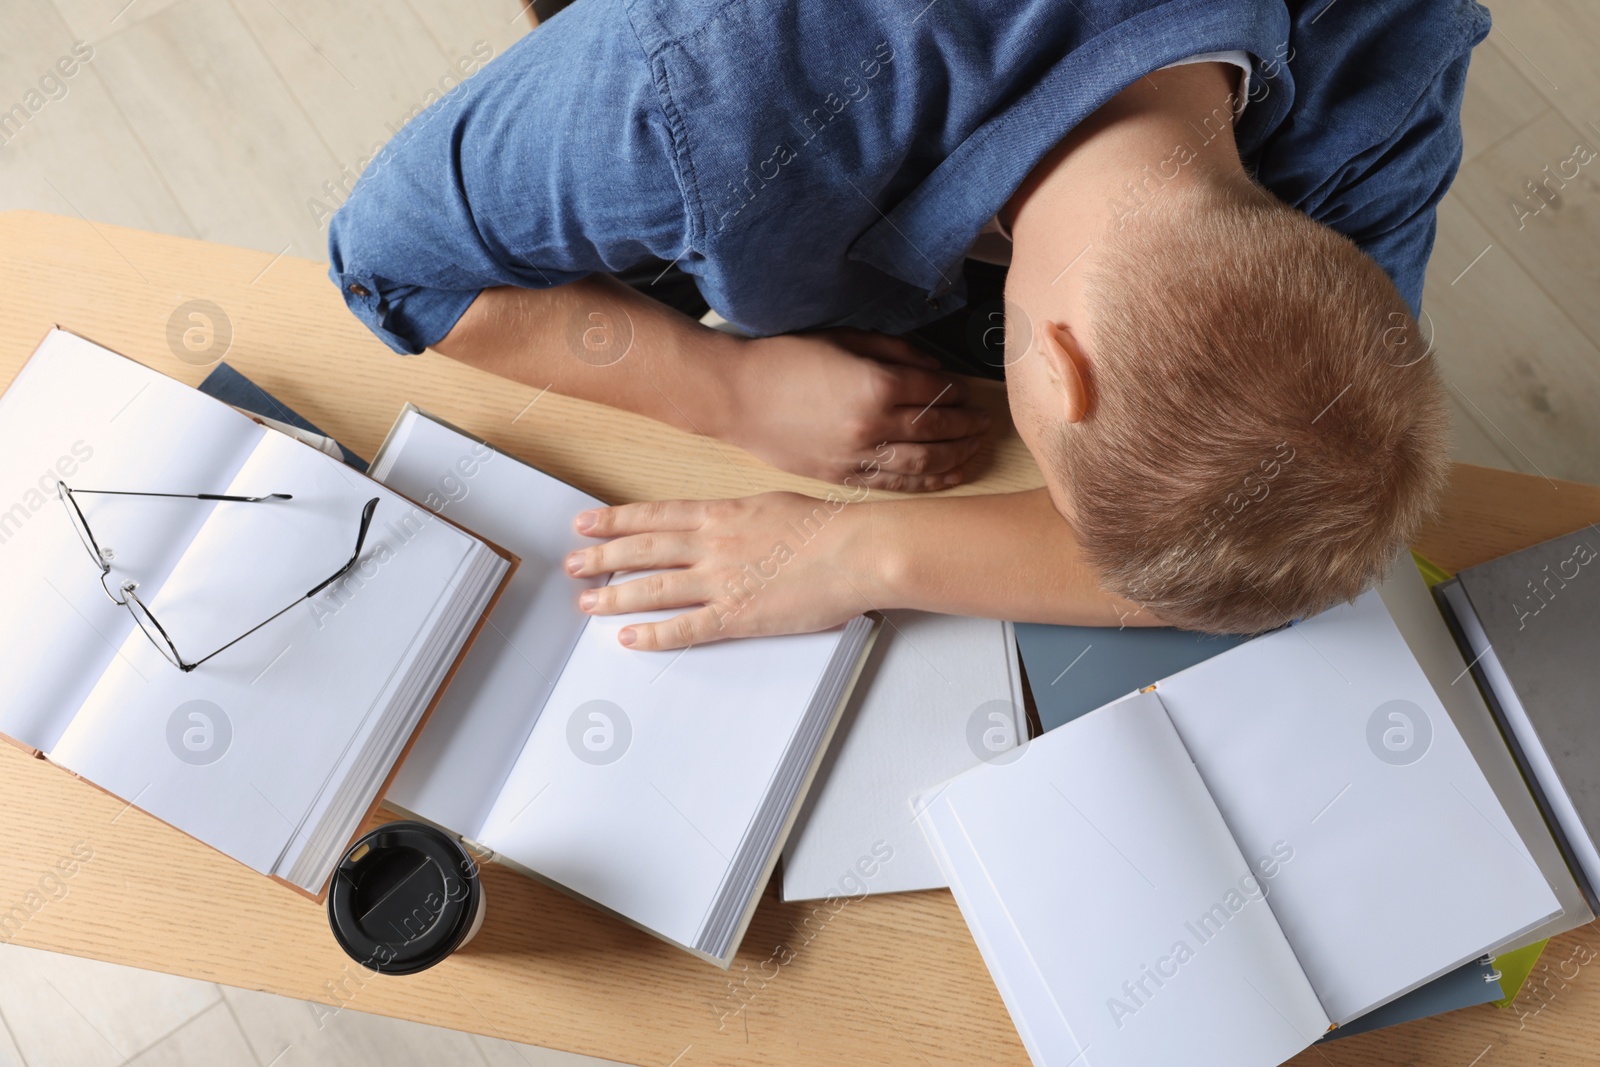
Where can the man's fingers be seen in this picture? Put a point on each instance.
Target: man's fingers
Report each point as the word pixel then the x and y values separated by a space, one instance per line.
pixel 919 457
pixel 912 467
pixel 915 467
pixel 653 592
pixel 936 423
pixel 912 483
pixel 634 552
pixel 641 518
pixel 691 628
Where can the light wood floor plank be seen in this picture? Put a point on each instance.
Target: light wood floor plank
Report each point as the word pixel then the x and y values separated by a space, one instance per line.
pixel 1553 43
pixel 1515 361
pixel 355 72
pixel 94 20
pixel 1472 441
pixel 62 157
pixel 500 1053
pixel 1499 101
pixel 1541 205
pixel 211 1039
pixel 292 1033
pixel 226 134
pixel 10 1055
pixel 459 24
pixel 66 1010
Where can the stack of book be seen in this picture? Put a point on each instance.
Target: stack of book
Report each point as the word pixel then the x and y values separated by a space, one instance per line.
pixel 1241 847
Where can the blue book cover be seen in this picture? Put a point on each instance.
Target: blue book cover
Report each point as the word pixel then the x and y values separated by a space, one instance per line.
pixel 229 386
pixel 1474 983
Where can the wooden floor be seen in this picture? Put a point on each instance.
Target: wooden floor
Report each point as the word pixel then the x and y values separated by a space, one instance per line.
pixel 242 121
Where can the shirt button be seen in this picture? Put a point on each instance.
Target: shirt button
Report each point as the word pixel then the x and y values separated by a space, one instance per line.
pixel 359 290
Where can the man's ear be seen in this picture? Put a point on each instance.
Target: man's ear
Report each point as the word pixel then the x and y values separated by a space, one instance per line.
pixel 1069 370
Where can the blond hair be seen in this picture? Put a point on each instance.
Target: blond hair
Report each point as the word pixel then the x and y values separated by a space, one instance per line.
pixel 1268 429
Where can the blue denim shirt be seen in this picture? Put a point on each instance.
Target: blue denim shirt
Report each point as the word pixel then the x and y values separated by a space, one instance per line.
pixel 828 162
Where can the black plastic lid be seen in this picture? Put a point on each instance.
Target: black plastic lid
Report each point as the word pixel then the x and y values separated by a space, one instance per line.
pixel 403 898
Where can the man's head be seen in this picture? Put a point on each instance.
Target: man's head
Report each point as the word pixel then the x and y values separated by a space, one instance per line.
pixel 1234 408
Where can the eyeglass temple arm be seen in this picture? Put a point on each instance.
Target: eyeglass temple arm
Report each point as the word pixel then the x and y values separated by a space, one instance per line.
pixel 186 496
pixel 361 539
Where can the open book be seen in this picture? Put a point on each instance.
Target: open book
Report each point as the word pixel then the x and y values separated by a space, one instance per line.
pixel 1270 843
pixel 658 786
pixel 274 749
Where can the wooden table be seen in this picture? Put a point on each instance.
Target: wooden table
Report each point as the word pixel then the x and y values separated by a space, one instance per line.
pixel 884 980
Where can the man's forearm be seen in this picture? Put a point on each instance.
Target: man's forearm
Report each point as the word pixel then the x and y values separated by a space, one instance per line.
pixel 598 340
pixel 1009 556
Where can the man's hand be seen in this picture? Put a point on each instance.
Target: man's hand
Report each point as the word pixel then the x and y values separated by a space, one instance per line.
pixel 769 564
pixel 847 404
pixel 783 563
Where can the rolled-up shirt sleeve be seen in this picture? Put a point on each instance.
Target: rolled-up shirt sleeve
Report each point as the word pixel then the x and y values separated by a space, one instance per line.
pixel 554 162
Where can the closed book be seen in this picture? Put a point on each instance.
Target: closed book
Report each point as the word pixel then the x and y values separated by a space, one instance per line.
pixel 1529 622
pixel 938 695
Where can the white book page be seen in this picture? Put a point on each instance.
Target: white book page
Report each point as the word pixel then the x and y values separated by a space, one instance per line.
pixel 1328 736
pixel 94 420
pixel 939 693
pixel 644 770
pixel 1118 917
pixel 454 772
pixel 280 712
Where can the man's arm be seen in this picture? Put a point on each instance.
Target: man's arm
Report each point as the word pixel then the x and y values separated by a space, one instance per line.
pixel 596 339
pixel 786 563
pixel 822 404
pixel 1009 556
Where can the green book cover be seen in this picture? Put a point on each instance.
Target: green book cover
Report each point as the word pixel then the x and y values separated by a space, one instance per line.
pixel 1514 968
pixel 1432 573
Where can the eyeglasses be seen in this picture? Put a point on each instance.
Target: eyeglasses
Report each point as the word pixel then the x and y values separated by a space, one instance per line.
pixel 126 594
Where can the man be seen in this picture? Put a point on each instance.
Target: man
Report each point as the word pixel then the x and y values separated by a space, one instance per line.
pixel 1216 213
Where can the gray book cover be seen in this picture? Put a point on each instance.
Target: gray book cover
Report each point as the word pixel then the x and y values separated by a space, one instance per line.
pixel 1540 610
pixel 1467 986
pixel 1074 669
